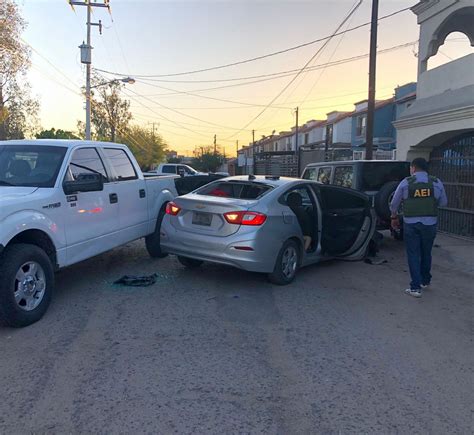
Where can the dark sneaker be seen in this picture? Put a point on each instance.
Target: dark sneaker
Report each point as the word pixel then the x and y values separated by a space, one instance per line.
pixel 415 293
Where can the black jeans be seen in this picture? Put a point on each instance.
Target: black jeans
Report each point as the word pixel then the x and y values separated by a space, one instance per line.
pixel 419 240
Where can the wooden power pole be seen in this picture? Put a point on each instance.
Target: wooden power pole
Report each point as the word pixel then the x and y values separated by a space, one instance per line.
pixel 369 141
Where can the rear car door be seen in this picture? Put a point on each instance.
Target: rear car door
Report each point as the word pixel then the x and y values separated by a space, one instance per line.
pixel 348 221
pixel 131 195
pixel 91 217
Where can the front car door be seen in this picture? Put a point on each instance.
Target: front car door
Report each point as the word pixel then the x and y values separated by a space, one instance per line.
pixel 348 221
pixel 91 217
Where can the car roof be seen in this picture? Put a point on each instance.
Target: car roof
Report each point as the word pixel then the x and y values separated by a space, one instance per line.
pixel 353 162
pixel 67 143
pixel 266 179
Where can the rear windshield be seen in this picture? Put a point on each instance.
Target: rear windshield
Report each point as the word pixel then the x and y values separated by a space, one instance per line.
pixel 376 174
pixel 235 189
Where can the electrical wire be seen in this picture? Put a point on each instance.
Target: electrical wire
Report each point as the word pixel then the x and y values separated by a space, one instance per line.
pixel 351 12
pixel 290 73
pixel 286 50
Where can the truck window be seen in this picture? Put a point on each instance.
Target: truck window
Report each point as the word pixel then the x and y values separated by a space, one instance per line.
pixel 30 165
pixel 85 161
pixel 376 174
pixel 168 169
pixel 343 176
pixel 121 163
pixel 321 174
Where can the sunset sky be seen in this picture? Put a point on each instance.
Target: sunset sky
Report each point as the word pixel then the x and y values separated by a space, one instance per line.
pixel 167 37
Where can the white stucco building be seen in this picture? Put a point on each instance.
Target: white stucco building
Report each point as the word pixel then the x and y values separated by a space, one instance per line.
pixel 444 105
pixel 439 125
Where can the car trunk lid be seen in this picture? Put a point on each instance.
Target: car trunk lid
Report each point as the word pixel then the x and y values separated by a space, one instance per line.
pixel 202 214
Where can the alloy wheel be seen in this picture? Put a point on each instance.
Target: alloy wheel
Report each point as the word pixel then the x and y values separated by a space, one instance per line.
pixel 30 286
pixel 289 262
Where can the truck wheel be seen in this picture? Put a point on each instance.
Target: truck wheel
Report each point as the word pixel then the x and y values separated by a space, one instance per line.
pixel 383 198
pixel 190 263
pixel 286 264
pixel 26 285
pixel 152 242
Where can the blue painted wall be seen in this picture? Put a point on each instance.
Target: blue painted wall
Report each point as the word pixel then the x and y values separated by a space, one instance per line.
pixel 383 127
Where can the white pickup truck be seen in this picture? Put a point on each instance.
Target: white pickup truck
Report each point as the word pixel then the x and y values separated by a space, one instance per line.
pixel 62 202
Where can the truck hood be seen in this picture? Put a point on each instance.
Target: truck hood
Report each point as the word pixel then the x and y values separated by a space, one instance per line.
pixel 10 192
pixel 14 199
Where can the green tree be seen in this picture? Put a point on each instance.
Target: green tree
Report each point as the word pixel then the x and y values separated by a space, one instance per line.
pixel 56 134
pixel 17 109
pixel 149 149
pixel 208 161
pixel 110 113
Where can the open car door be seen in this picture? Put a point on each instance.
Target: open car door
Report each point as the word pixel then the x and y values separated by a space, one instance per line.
pixel 348 222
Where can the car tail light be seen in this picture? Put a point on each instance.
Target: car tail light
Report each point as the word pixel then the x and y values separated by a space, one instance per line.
pixel 245 218
pixel 172 209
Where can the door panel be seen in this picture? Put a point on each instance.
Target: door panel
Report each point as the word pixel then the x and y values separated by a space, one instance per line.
pixel 131 196
pixel 91 220
pixel 347 220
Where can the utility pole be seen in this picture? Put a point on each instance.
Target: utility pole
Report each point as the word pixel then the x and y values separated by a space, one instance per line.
pixel 215 144
pixel 297 151
pixel 369 141
pixel 86 52
pixel 237 147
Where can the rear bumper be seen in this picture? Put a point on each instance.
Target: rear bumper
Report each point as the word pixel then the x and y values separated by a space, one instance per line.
pixel 222 250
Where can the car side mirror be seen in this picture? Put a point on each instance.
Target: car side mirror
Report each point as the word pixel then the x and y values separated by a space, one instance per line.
pixel 84 183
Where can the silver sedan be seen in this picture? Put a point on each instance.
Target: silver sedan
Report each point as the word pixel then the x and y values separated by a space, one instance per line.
pixel 267 224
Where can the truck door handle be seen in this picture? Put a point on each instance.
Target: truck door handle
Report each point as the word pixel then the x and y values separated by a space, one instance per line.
pixel 113 198
pixel 142 193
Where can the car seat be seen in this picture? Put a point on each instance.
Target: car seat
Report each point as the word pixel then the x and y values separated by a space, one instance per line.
pixel 295 202
pixel 19 168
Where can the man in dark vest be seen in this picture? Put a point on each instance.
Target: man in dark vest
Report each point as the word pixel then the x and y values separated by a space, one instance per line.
pixel 421 195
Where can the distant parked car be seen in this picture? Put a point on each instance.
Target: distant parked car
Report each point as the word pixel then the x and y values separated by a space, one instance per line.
pixel 260 224
pixel 376 178
pixel 176 169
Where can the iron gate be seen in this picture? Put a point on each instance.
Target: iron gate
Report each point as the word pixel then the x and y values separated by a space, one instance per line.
pixel 453 163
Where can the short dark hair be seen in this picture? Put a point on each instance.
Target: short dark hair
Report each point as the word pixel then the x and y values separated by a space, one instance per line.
pixel 420 163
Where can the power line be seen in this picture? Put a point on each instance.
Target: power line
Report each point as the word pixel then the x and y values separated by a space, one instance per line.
pixel 351 12
pixel 286 50
pixel 288 73
pixel 200 96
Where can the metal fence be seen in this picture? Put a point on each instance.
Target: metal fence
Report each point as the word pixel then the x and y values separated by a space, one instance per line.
pixel 453 163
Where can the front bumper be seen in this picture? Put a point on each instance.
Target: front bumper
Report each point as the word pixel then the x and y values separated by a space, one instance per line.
pixel 221 250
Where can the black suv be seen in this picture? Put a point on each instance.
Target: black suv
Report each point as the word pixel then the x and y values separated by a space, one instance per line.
pixel 376 178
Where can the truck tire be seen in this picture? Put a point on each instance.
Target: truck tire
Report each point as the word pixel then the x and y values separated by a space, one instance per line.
pixel 382 199
pixel 190 263
pixel 26 284
pixel 152 241
pixel 287 264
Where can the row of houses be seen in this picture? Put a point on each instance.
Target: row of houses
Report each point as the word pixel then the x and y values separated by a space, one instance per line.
pixel 432 118
pixel 340 136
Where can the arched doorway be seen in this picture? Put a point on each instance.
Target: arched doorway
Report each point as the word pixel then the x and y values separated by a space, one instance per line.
pixel 453 163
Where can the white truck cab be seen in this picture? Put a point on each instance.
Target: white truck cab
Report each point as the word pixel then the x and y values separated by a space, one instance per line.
pixel 62 202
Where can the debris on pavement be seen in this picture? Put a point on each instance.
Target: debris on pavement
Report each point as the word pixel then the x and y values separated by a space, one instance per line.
pixel 375 262
pixel 137 281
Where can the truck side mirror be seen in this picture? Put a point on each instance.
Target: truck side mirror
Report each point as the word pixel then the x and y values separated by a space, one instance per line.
pixel 84 183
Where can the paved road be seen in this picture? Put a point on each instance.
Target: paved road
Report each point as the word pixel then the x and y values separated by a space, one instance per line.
pixel 217 350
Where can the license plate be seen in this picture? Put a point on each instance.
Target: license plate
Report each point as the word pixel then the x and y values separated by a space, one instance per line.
pixel 204 219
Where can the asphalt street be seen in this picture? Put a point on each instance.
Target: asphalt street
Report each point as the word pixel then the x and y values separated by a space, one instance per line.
pixel 216 350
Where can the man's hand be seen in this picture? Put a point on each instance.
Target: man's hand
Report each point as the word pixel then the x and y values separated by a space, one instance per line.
pixel 395 223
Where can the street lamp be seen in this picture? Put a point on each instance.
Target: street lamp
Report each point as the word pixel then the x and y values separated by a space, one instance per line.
pixel 126 80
